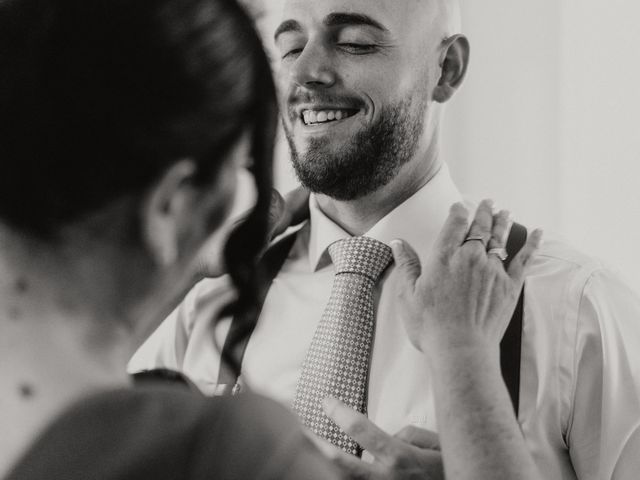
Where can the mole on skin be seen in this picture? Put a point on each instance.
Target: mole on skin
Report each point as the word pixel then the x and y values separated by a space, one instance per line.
pixel 26 390
pixel 22 285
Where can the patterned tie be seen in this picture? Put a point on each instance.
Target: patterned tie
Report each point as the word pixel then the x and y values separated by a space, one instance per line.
pixel 337 363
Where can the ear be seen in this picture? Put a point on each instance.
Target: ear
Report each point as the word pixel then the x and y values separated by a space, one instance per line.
pixel 168 202
pixel 453 65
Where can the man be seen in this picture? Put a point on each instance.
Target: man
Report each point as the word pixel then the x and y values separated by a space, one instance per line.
pixel 363 85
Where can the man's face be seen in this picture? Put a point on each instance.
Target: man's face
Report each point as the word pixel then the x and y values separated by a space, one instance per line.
pixel 356 79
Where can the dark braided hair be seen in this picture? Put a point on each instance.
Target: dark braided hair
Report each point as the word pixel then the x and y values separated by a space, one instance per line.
pixel 99 97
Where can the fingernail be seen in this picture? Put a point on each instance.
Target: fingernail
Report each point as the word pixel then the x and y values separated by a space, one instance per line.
pixel 397 246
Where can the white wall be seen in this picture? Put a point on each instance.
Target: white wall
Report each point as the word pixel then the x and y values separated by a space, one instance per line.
pixel 601 129
pixel 548 121
pixel 501 134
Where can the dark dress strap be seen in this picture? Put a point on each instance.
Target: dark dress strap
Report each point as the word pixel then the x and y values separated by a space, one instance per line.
pixel 164 376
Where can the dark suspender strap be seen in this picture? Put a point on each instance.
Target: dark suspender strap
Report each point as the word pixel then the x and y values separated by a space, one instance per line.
pixel 511 345
pixel 272 262
pixel 242 327
pixel 274 258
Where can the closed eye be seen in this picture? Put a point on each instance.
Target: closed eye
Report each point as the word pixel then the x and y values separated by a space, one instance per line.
pixel 358 48
pixel 292 53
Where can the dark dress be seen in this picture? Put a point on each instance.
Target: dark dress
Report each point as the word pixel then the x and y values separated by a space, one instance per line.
pixel 166 433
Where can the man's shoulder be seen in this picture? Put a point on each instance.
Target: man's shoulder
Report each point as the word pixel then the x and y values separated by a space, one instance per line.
pixel 557 255
pixel 209 297
pixel 561 280
pixel 559 270
pixel 206 299
pixel 211 288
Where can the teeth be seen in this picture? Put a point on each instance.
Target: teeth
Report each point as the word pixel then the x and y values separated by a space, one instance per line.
pixel 323 116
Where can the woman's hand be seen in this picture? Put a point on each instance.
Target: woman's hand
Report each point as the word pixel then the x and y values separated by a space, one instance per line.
pixel 456 310
pixel 410 454
pixel 463 297
pixel 283 213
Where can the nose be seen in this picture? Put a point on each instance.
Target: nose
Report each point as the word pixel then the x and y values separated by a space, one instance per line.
pixel 314 68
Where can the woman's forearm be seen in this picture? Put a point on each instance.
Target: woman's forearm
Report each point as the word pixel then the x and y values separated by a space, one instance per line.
pixel 480 437
pixel 456 309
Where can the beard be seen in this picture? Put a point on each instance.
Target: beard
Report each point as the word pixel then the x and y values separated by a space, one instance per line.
pixel 369 160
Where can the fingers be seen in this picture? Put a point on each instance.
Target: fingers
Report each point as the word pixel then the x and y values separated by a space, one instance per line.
pixel 499 234
pixel 521 260
pixel 407 265
pixel 454 230
pixel 297 203
pixel 327 448
pixel 352 466
pixel 419 437
pixel 288 211
pixel 482 224
pixel 370 437
pixel 279 217
pixel 501 228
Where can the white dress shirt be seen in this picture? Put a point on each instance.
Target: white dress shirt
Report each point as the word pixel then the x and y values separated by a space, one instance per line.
pixel 580 367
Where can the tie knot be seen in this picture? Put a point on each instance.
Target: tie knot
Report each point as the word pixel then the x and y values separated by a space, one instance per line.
pixel 360 255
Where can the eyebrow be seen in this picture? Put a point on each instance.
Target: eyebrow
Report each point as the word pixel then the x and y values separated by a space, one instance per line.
pixel 337 19
pixel 287 26
pixel 352 19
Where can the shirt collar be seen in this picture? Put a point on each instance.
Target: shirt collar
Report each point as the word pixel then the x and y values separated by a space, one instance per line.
pixel 418 220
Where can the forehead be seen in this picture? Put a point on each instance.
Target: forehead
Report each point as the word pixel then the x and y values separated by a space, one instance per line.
pixel 392 14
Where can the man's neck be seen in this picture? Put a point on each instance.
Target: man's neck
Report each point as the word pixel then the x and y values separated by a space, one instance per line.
pixel 358 216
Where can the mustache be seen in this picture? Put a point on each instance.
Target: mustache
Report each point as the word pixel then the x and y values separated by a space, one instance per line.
pixel 319 97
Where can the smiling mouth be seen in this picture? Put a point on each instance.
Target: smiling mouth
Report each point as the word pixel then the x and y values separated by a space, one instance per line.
pixel 320 117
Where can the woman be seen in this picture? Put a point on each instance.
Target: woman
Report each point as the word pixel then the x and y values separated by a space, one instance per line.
pixel 122 126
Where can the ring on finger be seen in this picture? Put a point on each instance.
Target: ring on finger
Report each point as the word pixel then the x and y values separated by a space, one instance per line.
pixel 495 243
pixel 501 253
pixel 476 238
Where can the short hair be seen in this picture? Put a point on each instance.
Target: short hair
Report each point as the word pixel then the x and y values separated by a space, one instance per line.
pixel 99 97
